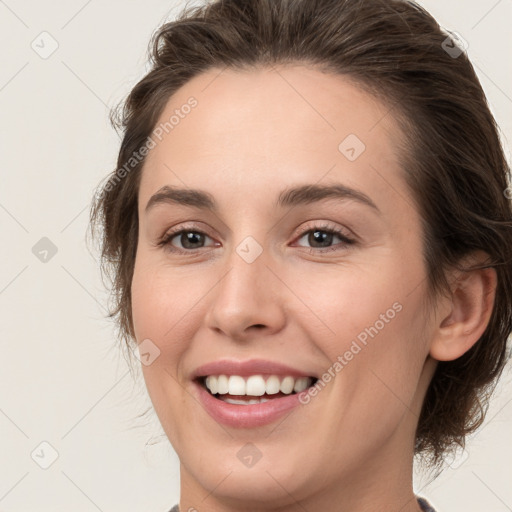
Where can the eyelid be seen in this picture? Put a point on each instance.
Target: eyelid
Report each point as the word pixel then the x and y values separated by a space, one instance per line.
pixel 347 237
pixel 173 232
pixel 322 225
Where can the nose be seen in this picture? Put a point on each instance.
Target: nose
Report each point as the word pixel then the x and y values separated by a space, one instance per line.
pixel 248 301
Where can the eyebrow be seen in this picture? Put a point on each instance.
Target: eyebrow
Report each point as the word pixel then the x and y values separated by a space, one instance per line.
pixel 303 194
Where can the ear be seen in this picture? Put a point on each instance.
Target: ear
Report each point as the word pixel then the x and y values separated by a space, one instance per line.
pixel 466 313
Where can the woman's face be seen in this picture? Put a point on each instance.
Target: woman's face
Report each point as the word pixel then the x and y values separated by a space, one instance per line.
pixel 327 283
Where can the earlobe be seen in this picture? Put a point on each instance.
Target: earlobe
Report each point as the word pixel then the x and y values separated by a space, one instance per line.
pixel 469 311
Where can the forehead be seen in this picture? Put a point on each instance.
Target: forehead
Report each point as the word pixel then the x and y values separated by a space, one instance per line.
pixel 267 128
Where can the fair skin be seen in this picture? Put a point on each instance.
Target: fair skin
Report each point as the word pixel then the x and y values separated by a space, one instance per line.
pixel 251 136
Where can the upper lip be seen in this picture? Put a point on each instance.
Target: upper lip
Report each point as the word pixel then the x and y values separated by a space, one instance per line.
pixel 247 368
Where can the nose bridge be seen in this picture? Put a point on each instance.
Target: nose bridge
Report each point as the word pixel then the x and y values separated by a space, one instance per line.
pixel 246 295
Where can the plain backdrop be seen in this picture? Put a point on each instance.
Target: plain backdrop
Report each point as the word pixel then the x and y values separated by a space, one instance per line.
pixel 70 436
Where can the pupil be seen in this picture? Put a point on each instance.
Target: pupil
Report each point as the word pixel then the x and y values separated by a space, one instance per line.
pixel 190 238
pixel 320 236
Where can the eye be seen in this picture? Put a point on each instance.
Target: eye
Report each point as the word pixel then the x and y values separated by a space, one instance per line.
pixel 189 240
pixel 322 237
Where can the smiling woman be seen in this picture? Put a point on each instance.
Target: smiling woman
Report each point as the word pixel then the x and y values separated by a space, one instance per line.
pixel 319 251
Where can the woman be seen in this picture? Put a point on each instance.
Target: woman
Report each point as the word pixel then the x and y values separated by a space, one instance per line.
pixel 309 234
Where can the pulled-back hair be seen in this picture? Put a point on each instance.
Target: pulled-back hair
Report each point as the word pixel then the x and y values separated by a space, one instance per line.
pixel 451 155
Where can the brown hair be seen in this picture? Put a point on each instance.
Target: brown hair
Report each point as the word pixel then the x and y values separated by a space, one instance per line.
pixel 452 159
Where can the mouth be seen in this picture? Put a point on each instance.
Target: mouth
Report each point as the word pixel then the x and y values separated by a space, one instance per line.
pixel 251 393
pixel 253 389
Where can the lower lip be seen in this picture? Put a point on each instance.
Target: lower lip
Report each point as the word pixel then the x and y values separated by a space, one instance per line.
pixel 247 416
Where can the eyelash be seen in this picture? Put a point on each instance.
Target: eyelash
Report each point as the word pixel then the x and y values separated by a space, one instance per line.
pixel 165 242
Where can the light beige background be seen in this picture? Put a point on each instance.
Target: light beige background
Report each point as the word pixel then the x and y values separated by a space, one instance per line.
pixel 62 379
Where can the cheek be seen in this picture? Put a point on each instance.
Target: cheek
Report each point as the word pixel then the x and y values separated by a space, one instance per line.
pixel 165 309
pixel 372 322
pixel 383 362
pixel 165 302
pixel 353 303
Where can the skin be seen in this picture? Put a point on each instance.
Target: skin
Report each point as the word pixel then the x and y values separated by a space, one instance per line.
pixel 253 134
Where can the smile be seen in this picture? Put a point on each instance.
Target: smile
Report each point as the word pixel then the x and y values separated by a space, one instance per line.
pixel 255 389
pixel 249 394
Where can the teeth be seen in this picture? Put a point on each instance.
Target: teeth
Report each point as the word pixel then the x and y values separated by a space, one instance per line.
pixel 211 384
pixel 236 385
pixel 244 402
pixel 301 384
pixel 222 384
pixel 255 385
pixel 287 385
pixel 273 385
